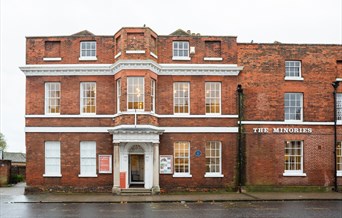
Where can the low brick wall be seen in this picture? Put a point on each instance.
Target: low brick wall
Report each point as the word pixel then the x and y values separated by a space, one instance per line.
pixel 5 172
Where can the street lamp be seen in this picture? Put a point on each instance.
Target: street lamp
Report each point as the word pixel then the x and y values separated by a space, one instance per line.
pixel 335 84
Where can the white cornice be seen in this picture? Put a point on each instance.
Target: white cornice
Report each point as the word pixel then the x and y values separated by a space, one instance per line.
pixel 66 69
pixel 130 113
pixel 202 129
pixel 112 69
pixel 287 123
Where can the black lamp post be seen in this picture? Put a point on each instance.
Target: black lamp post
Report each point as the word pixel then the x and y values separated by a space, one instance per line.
pixel 240 156
pixel 335 84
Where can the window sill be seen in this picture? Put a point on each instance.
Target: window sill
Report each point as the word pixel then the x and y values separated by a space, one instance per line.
pixel 339 173
pixel 88 59
pixel 84 176
pixel 180 175
pixel 181 114
pixel 293 121
pixel 135 110
pixel 212 114
pixel 52 59
pixel 56 114
pixel 294 174
pixel 154 55
pixel 294 78
pixel 87 114
pixel 52 175
pixel 217 175
pixel 212 59
pixel 117 55
pixel 181 58
pixel 135 51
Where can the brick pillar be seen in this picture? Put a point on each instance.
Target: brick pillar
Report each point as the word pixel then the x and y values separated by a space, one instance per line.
pixel 155 188
pixel 116 173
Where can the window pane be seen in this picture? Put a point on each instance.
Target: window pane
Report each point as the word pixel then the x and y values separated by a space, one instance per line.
pixel 182 157
pixel 293 103
pixel 88 157
pixel 88 97
pixel 181 97
pixel 180 49
pixel 52 158
pixel 135 93
pixel 213 157
pixel 213 97
pixel 52 98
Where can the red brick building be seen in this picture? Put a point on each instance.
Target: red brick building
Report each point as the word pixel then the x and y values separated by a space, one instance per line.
pixel 139 109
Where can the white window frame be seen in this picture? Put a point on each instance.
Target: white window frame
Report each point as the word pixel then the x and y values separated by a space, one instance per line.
pixel 176 49
pixel 84 98
pixel 339 107
pixel 292 98
pixel 85 148
pixel 181 156
pixel 52 159
pixel 289 69
pixel 299 172
pixel 118 95
pixel 153 96
pixel 210 95
pixel 141 93
pixel 339 158
pixel 48 98
pixel 176 89
pixel 208 152
pixel 88 57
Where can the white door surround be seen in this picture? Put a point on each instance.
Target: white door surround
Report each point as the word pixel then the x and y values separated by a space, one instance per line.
pixel 135 140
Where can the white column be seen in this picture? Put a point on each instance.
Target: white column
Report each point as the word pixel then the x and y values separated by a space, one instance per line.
pixel 156 188
pixel 116 169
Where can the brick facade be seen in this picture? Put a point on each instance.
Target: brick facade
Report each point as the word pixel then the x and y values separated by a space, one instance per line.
pixel 140 52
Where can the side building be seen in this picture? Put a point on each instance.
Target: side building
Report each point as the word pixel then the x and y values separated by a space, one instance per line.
pixel 161 112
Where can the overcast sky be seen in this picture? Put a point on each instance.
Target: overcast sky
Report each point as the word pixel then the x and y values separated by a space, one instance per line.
pixel 287 21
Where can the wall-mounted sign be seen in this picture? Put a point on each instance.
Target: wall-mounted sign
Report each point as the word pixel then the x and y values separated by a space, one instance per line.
pixel 105 163
pixel 283 130
pixel 198 153
pixel 166 164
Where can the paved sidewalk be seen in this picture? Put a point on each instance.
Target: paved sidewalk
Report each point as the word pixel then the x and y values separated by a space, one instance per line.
pixel 15 194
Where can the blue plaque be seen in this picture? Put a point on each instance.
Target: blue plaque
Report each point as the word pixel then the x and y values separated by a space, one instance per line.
pixel 198 153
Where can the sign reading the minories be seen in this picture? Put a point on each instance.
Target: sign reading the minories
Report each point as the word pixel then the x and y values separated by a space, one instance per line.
pixel 283 130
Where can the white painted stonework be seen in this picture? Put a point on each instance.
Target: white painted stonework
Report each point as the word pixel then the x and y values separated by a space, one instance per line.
pixel 125 151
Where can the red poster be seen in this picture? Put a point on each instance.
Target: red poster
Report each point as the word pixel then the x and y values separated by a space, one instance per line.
pixel 105 163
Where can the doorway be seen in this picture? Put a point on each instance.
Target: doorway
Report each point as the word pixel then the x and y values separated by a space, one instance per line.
pixel 136 170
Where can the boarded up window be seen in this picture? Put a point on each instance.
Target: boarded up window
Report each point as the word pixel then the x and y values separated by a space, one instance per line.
pixel 135 41
pixel 118 44
pixel 212 49
pixel 153 45
pixel 339 68
pixel 52 49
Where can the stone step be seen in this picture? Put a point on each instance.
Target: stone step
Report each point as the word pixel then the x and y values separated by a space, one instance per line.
pixel 136 191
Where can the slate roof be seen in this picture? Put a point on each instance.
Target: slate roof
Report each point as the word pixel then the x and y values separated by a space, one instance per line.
pixel 179 32
pixel 15 157
pixel 84 33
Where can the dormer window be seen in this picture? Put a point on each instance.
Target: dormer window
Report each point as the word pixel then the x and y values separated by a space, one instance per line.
pixel 88 50
pixel 180 50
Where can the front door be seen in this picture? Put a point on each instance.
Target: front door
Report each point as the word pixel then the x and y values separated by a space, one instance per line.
pixel 137 168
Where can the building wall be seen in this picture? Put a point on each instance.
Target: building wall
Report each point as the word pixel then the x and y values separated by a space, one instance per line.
pixel 70 160
pixel 265 157
pixel 263 83
pixel 197 164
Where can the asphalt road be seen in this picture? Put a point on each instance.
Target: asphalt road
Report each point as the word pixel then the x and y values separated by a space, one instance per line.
pixel 296 209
